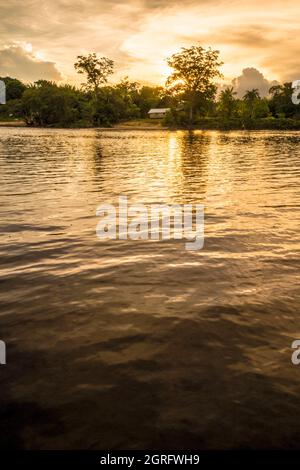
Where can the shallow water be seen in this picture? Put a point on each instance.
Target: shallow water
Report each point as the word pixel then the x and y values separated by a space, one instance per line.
pixel 142 344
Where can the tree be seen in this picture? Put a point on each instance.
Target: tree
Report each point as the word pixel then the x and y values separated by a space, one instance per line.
pixel 261 109
pixel 227 102
pixel 281 103
pixel 251 95
pixel 96 69
pixel 194 71
pixel 148 97
pixel 128 92
pixel 250 98
pixel 14 91
pixel 14 88
pixel 47 104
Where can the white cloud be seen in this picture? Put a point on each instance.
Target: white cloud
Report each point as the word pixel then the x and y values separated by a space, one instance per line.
pixel 19 61
pixel 250 79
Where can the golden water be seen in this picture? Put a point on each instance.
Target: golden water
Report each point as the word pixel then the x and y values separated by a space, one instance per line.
pixel 142 344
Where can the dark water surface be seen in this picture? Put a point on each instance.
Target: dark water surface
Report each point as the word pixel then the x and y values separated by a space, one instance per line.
pixel 142 344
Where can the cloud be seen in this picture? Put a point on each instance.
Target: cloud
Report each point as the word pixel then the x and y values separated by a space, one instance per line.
pixel 249 36
pixel 286 61
pixel 139 34
pixel 17 61
pixel 250 79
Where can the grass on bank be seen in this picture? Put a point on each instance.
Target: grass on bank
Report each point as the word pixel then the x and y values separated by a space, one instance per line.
pixel 136 123
pixel 205 123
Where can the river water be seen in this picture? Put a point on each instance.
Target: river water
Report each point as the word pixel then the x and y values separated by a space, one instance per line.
pixel 142 344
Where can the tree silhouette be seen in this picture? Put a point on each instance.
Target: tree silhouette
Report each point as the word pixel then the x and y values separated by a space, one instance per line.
pixel 227 102
pixel 96 69
pixel 194 71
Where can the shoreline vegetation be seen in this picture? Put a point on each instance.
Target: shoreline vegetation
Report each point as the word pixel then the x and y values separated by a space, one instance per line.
pixel 190 92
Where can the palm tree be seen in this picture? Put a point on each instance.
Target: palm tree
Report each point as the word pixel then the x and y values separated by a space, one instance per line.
pixel 227 102
pixel 250 98
pixel 251 95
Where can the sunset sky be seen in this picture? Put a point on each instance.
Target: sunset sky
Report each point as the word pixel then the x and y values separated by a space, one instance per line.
pixel 41 39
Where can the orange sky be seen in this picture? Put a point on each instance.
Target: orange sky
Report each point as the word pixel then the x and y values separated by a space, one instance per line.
pixel 41 39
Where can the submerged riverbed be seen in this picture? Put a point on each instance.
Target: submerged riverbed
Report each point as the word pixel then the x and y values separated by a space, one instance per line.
pixel 141 344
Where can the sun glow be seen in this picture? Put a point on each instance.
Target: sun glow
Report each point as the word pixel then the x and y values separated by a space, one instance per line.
pixel 139 36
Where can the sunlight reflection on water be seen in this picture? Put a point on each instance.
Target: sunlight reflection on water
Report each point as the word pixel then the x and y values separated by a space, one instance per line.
pixel 122 344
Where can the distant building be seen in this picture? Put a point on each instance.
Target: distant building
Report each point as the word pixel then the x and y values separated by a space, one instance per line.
pixel 158 113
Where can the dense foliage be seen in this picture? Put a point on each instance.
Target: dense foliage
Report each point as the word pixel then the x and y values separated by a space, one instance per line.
pixel 190 93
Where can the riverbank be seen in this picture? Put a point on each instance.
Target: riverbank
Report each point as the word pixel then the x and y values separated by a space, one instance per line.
pixel 259 124
pixel 12 124
pixel 284 124
pixel 140 125
pixel 137 124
